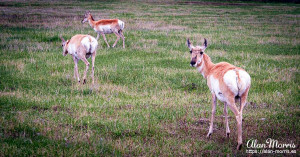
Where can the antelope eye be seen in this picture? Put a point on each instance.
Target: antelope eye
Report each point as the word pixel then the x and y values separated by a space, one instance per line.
pixel 190 51
pixel 201 52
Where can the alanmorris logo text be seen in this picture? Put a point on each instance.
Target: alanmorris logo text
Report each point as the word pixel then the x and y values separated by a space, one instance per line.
pixel 270 143
pixel 270 146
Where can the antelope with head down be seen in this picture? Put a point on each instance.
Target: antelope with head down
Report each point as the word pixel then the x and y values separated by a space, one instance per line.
pixel 226 82
pixel 106 26
pixel 81 47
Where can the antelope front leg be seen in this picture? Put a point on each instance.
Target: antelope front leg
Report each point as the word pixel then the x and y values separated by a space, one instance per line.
pixel 76 69
pixel 103 35
pixel 213 111
pixel 86 69
pixel 226 120
pixel 98 35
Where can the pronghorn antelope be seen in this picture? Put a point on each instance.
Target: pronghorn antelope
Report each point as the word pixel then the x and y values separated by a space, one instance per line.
pixel 226 82
pixel 81 47
pixel 106 26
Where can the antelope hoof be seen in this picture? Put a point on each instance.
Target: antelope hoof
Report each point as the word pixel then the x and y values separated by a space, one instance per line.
pixel 239 147
pixel 227 135
pixel 208 135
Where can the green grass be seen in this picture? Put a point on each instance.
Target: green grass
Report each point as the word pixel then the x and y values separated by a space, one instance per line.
pixel 147 100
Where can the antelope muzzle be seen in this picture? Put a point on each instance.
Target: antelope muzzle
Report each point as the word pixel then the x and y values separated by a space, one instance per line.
pixel 193 61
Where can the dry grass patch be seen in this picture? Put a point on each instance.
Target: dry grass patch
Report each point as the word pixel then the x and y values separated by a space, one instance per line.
pixel 279 75
pixel 45 18
pixel 284 57
pixel 7 94
pixel 19 64
pixel 156 26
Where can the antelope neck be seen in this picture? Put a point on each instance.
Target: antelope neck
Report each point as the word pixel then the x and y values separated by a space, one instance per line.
pixel 91 22
pixel 205 66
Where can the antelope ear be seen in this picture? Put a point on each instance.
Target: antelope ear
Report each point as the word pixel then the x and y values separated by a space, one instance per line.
pixel 190 46
pixel 62 39
pixel 205 44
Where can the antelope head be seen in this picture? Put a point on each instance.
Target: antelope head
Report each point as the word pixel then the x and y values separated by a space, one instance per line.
pixel 64 46
pixel 196 52
pixel 86 17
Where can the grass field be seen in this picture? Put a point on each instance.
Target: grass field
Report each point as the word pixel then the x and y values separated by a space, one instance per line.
pixel 147 100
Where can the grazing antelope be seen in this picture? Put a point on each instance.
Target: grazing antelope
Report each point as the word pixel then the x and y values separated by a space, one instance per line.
pixel 81 47
pixel 106 26
pixel 226 82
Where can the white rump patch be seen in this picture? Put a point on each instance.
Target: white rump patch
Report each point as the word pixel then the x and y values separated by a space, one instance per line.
pixel 230 79
pixel 245 81
pixel 237 87
pixel 90 46
pixel 121 24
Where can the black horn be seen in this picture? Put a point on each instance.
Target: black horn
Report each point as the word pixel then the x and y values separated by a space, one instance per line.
pixel 205 43
pixel 188 42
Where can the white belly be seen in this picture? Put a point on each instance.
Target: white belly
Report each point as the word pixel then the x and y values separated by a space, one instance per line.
pixel 215 89
pixel 106 29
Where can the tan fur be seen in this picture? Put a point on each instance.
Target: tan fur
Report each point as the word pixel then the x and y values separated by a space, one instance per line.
pixel 113 22
pixel 76 39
